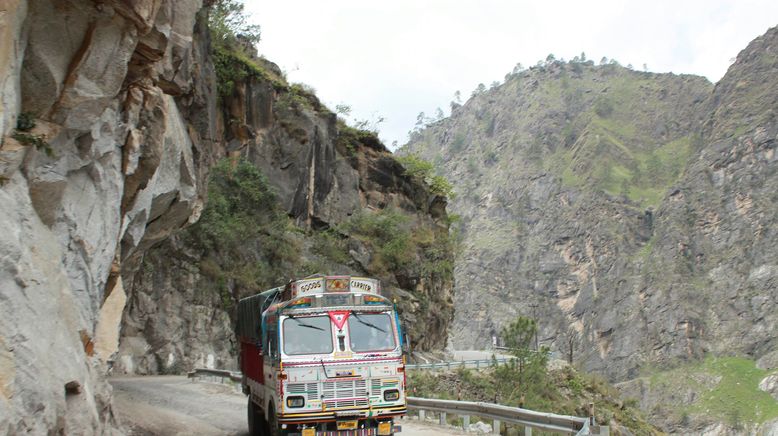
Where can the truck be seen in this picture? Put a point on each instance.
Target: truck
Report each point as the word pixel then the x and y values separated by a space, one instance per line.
pixel 322 356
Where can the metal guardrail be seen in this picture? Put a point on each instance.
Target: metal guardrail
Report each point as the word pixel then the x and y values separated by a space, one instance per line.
pixel 529 419
pixel 477 364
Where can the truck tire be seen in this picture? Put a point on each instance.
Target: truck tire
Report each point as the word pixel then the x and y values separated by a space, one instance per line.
pixel 257 424
pixel 274 429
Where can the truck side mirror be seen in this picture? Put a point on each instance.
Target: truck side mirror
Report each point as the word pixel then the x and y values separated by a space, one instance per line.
pixel 406 344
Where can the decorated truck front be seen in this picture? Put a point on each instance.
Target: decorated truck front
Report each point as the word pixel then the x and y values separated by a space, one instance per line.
pixel 326 359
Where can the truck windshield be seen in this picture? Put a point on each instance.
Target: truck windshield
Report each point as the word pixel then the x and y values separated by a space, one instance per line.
pixel 310 335
pixel 371 332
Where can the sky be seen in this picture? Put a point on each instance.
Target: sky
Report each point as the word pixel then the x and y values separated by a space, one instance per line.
pixel 394 59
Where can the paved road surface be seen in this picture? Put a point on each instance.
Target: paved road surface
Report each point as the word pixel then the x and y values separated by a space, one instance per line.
pixel 174 405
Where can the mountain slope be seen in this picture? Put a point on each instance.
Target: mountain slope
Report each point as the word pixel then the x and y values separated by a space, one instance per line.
pixel 556 167
pixel 569 175
pixel 631 213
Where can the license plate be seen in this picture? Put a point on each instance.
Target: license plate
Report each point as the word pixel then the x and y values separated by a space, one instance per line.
pixel 309 432
pixel 347 425
pixel 385 428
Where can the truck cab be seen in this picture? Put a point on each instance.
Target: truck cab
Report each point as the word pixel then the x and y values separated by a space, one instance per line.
pixel 322 356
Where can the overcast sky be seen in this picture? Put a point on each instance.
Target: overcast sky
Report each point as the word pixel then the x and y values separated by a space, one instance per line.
pixel 397 58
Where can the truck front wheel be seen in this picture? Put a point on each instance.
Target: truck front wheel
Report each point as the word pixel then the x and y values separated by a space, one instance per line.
pixel 257 424
pixel 272 422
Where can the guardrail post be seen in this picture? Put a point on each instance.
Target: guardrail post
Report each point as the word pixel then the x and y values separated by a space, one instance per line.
pixel 496 426
pixel 477 364
pixel 422 415
pixel 442 418
pixel 591 413
pixel 449 364
pixel 466 422
pixel 527 431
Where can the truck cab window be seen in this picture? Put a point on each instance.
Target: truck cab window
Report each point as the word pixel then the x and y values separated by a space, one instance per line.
pixel 308 335
pixel 371 332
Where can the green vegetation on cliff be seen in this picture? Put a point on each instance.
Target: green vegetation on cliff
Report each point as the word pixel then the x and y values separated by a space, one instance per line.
pixel 398 244
pixel 245 235
pixel 423 170
pixel 725 387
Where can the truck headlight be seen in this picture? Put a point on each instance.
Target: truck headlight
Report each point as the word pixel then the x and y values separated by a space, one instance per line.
pixel 295 402
pixel 392 395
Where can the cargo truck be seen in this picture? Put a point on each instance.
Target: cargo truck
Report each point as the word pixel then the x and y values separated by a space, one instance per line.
pixel 322 356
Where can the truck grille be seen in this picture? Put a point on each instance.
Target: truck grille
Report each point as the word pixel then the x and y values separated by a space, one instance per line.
pixel 377 384
pixel 310 390
pixel 345 393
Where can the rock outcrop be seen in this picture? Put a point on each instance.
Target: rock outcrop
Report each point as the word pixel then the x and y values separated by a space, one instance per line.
pixel 104 150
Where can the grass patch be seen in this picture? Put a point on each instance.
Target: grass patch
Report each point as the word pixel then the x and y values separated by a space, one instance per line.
pixel 350 139
pixel 601 160
pixel 736 398
pixel 737 395
pixel 233 66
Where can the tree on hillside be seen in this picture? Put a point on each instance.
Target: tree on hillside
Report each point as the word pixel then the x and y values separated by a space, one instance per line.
pixel 343 109
pixel 571 340
pixel 529 365
pixel 518 334
pixel 229 23
pixel 480 89
pixel 583 57
pixel 421 120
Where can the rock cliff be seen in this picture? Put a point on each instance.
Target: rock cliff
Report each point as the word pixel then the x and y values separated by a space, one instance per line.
pixel 630 213
pixel 104 149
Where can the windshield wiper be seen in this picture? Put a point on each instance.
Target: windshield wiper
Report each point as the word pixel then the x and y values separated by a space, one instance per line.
pixel 362 321
pixel 302 324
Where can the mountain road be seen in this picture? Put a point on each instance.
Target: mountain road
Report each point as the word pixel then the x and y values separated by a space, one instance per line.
pixel 175 405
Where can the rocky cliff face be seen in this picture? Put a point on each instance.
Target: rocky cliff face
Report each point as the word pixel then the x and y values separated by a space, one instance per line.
pixel 628 212
pixel 102 156
pixel 329 190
